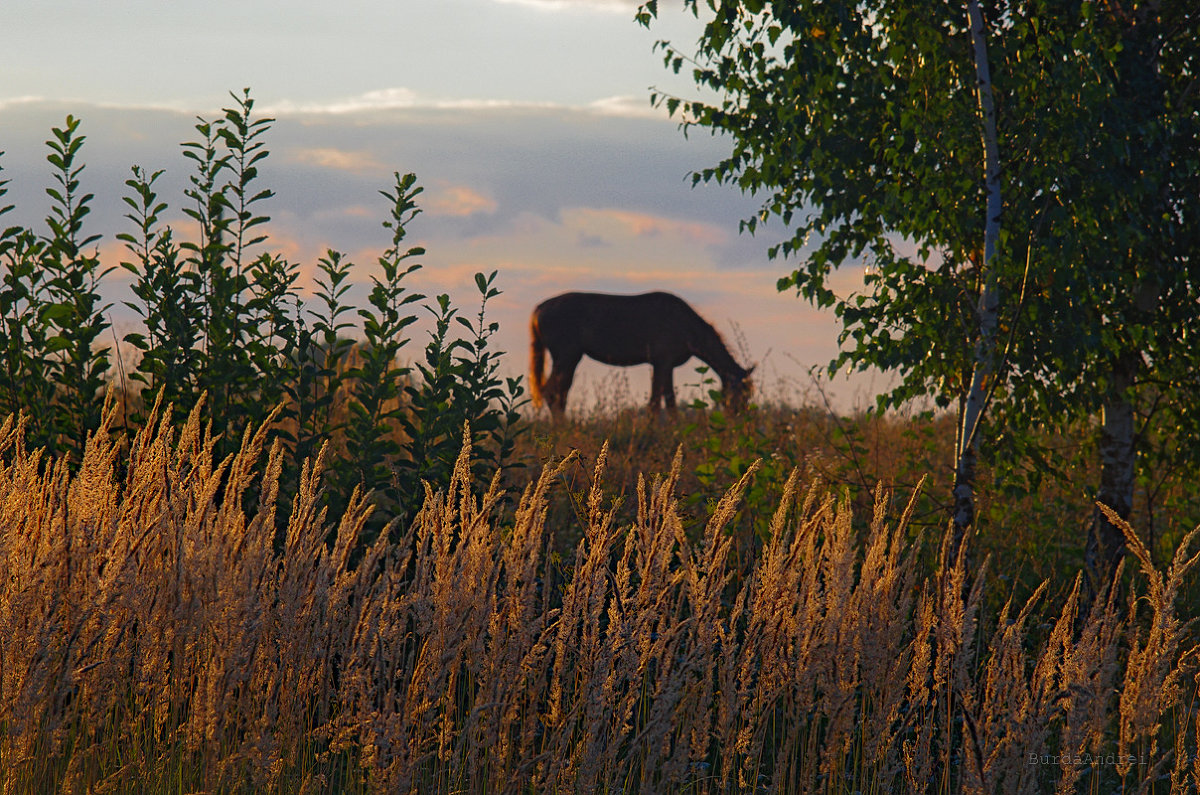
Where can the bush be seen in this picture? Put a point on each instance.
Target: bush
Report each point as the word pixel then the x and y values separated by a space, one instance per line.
pixel 224 327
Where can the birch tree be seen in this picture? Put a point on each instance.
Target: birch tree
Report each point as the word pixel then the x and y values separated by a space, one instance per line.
pixel 859 126
pixel 984 371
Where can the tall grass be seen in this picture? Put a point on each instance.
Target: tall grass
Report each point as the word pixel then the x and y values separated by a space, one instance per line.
pixel 160 636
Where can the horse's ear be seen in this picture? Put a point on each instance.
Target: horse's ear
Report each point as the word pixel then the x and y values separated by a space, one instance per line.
pixel 750 370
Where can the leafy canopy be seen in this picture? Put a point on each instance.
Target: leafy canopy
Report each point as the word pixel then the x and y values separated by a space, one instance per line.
pixel 858 125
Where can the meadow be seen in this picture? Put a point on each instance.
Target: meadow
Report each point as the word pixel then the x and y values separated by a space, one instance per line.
pixel 277 551
pixel 583 636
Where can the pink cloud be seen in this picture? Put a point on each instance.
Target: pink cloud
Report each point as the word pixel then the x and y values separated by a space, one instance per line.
pixel 337 159
pixel 629 222
pixel 459 201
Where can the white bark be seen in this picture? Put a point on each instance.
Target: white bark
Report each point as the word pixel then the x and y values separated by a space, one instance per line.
pixel 983 369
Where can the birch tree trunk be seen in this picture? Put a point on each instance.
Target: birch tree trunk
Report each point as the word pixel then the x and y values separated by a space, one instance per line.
pixel 1118 452
pixel 983 370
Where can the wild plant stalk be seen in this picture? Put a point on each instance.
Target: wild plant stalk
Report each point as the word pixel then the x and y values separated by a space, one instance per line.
pixel 316 388
pixel 76 312
pixel 459 382
pixel 25 327
pixel 51 313
pixel 225 199
pixel 428 421
pixel 378 379
pixel 169 299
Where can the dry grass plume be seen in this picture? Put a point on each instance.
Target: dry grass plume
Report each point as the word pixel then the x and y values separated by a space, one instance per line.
pixel 160 633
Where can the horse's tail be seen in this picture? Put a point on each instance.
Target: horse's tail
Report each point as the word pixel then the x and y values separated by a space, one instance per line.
pixel 537 362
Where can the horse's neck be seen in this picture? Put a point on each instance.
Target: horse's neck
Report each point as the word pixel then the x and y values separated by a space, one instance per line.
pixel 712 351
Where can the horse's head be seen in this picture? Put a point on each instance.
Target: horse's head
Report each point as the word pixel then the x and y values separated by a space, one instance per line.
pixel 736 389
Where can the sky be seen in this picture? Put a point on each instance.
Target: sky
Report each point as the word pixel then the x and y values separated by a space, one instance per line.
pixel 527 122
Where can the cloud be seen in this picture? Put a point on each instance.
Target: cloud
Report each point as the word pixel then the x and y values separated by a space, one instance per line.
pixel 355 211
pixel 381 99
pixel 629 106
pixel 377 101
pixel 642 225
pixel 397 98
pixel 585 240
pixel 13 102
pixel 401 98
pixel 459 201
pixel 393 99
pixel 357 162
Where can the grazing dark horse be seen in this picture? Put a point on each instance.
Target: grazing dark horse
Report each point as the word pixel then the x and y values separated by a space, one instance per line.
pixel 659 329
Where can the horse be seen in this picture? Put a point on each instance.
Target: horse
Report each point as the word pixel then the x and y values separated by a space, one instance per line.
pixel 659 329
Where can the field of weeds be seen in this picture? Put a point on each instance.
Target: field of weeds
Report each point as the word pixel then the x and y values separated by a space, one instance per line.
pixel 165 631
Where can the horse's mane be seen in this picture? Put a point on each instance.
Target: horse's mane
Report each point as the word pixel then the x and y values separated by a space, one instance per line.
pixel 716 340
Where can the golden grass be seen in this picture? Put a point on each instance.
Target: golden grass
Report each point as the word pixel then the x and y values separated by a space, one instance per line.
pixel 158 635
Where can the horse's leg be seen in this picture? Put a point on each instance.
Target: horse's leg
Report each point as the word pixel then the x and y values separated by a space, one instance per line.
pixel 661 389
pixel 669 390
pixel 559 383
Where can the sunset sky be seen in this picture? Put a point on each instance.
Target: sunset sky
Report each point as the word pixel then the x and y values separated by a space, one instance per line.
pixel 527 121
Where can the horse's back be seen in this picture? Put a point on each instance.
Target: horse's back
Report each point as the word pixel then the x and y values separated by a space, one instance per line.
pixel 616 329
pixel 594 306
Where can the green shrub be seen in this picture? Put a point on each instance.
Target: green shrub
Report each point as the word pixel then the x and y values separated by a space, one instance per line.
pixel 223 325
pixel 53 317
